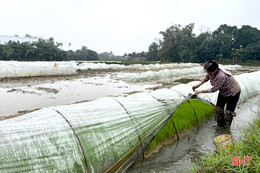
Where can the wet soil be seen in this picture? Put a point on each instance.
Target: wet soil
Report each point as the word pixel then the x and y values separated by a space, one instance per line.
pixel 32 80
pixel 30 93
pixel 19 113
pixel 49 90
pixel 20 90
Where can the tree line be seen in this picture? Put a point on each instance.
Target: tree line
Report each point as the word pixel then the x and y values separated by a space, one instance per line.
pixel 43 50
pixel 225 44
pixel 178 44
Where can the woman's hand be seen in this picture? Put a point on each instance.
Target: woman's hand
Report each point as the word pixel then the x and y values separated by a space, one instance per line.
pixel 197 92
pixel 196 86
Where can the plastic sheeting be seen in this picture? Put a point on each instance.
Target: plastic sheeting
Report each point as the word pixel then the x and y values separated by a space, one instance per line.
pixel 87 66
pixel 21 69
pixel 169 73
pixel 44 141
pixel 106 134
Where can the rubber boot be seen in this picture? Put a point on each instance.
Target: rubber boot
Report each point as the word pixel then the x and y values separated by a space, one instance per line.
pixel 219 115
pixel 228 117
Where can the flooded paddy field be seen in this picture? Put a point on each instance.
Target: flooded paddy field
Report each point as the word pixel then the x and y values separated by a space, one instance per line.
pixel 20 95
pixel 24 94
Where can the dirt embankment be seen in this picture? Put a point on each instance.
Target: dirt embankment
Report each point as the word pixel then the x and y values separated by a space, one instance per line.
pixel 17 114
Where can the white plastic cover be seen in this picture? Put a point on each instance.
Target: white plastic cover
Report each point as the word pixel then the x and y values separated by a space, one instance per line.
pixel 102 131
pixel 42 68
pixel 20 69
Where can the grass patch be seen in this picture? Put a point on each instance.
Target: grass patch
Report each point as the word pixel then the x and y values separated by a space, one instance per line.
pixel 249 145
pixel 183 118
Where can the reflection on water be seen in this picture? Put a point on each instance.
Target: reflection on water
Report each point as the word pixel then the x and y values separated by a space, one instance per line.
pixel 22 98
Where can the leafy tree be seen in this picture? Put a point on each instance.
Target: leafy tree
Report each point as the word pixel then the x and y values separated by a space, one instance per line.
pixel 251 52
pixel 92 55
pixel 83 53
pixel 204 47
pixel 247 35
pixel 152 54
pixel 28 35
pixel 225 40
pixel 226 43
pixel 177 44
pixel 26 49
pixel 1 52
pixel 7 52
pixel 141 54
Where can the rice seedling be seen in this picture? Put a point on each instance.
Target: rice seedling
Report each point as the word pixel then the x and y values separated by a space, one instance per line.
pixel 183 118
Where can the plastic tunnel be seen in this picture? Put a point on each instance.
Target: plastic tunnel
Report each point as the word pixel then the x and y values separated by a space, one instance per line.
pixel 104 135
pixel 171 73
pixel 22 69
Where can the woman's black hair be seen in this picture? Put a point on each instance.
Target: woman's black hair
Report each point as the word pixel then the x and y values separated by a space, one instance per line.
pixel 211 65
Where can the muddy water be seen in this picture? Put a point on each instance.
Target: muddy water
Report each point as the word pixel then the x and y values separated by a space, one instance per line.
pixel 198 141
pixel 16 98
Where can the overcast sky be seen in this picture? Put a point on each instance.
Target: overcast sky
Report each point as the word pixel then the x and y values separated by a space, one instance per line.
pixel 120 26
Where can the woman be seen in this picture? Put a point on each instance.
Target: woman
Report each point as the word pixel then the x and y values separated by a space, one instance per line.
pixel 229 91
